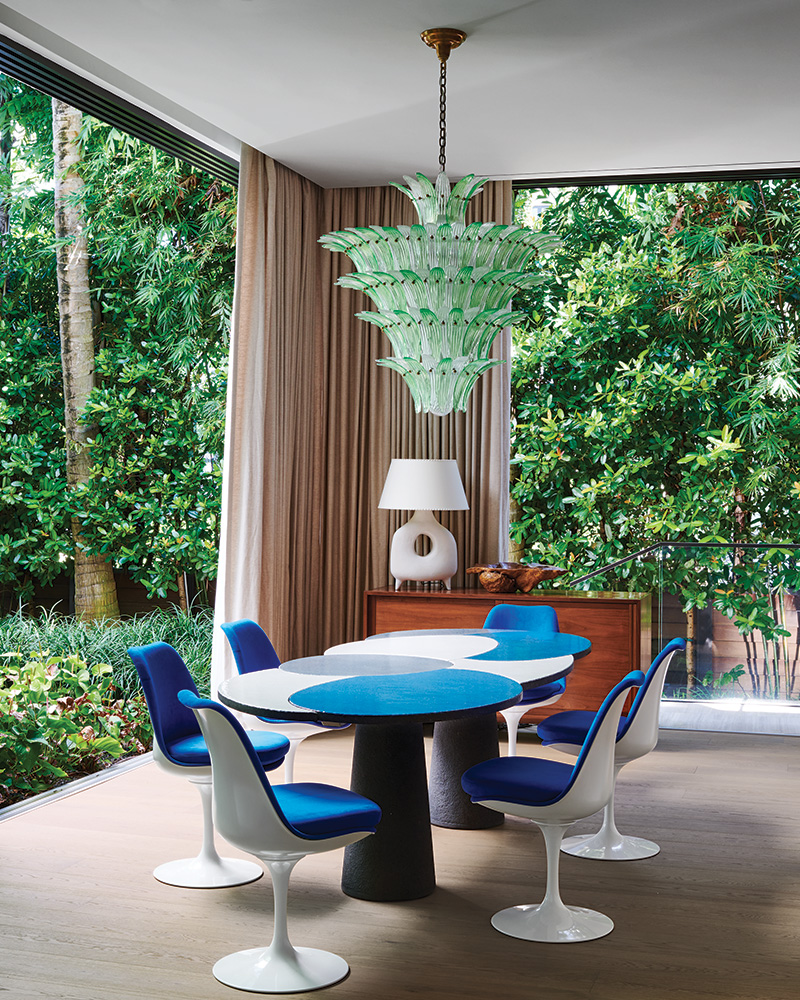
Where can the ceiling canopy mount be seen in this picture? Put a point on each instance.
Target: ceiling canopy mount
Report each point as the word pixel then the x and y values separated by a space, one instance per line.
pixel 444 40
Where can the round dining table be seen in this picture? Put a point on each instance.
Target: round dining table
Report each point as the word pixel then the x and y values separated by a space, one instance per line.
pixel 528 658
pixel 388 697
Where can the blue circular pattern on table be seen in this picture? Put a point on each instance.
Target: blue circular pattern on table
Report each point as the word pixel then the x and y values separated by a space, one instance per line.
pixel 511 643
pixel 410 697
pixel 344 665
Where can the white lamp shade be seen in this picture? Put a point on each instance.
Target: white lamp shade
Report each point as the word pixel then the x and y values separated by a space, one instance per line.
pixel 423 484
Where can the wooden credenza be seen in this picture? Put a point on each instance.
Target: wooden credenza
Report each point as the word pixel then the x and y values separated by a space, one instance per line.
pixel 617 624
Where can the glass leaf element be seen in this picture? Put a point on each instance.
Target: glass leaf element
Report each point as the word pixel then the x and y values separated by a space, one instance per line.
pixel 442 288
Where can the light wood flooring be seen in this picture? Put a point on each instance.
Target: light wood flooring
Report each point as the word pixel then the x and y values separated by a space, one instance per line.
pixel 715 915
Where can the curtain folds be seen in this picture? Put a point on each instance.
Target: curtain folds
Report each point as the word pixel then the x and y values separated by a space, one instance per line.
pixel 313 422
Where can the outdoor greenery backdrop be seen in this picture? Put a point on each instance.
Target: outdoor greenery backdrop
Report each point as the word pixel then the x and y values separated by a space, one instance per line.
pixel 162 246
pixel 161 239
pixel 655 391
pixel 655 399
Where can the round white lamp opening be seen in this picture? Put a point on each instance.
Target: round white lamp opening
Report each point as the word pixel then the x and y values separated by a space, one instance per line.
pixel 423 485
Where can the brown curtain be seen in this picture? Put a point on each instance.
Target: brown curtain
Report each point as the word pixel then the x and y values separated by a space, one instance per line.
pixel 313 422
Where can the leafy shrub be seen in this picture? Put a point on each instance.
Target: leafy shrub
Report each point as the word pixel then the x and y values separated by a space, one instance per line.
pixel 161 245
pixel 59 719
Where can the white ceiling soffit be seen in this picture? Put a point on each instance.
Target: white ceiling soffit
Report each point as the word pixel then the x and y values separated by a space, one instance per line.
pixel 344 91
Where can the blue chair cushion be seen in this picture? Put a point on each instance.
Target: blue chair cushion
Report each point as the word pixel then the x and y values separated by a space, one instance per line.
pixel 270 748
pixel 570 727
pixel 522 780
pixel 324 810
pixel 542 693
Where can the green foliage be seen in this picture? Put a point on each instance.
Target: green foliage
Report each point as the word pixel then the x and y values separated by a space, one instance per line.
pixel 716 686
pixel 99 642
pixel 59 719
pixel 162 249
pixel 655 389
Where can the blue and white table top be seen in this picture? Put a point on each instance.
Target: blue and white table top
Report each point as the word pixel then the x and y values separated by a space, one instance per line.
pixel 434 690
pixel 524 657
pixel 502 643
pixel 520 657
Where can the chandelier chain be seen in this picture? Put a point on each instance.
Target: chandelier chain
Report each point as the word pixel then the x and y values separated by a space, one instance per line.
pixel 442 115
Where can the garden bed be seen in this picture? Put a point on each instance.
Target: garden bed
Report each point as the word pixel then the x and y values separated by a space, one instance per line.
pixel 70 701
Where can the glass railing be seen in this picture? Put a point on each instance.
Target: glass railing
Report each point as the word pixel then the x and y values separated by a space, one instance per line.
pixel 736 605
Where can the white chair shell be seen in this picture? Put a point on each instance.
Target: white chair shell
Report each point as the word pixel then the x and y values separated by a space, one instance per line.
pixel 245 815
pixel 590 786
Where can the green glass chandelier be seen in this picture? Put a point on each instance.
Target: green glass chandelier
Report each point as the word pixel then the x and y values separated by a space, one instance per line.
pixel 442 288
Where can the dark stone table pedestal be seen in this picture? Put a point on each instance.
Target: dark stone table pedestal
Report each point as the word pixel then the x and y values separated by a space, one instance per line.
pixel 458 744
pixel 396 862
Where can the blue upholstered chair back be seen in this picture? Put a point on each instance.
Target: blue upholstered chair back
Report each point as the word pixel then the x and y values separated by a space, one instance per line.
pixel 633 679
pixel 588 784
pixel 163 674
pixel 523 617
pixel 250 645
pixel 246 809
pixel 605 719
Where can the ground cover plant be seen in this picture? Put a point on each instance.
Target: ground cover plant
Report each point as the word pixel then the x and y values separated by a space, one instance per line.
pixel 105 642
pixel 60 720
pixel 70 700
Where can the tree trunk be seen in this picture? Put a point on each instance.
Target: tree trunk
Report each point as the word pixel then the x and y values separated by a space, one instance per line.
pixel 691 673
pixel 516 550
pixel 95 590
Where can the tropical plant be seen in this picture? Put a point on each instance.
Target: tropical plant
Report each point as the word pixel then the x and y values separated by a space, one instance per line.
pixel 655 387
pixel 59 719
pixel 161 245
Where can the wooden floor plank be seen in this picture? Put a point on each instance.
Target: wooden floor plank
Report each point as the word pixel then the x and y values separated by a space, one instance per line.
pixel 715 916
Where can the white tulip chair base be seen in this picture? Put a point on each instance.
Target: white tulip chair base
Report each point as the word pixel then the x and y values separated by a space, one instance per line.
pixel 280 969
pixel 601 847
pixel 608 844
pixel 208 872
pixel 552 922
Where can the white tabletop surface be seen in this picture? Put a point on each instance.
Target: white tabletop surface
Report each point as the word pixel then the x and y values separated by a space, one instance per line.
pixel 458 649
pixel 267 692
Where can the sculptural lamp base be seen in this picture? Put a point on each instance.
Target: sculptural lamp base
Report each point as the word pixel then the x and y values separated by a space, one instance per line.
pixel 439 564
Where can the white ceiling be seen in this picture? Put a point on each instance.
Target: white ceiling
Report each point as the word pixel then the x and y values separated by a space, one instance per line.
pixel 344 91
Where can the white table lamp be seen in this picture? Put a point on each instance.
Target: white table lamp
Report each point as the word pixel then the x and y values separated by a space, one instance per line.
pixel 423 485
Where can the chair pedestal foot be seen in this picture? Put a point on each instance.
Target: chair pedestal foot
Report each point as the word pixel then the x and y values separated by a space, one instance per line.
pixel 601 848
pixel 551 920
pixel 208 873
pixel 208 870
pixel 558 926
pixel 268 970
pixel 608 844
pixel 280 968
